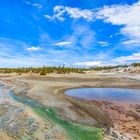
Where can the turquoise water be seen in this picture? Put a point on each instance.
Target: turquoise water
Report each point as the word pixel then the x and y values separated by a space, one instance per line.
pixel 106 94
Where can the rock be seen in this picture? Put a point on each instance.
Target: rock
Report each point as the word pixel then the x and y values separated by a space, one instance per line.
pixel 116 135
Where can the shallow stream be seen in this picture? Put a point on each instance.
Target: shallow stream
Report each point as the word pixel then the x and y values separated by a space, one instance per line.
pixel 74 131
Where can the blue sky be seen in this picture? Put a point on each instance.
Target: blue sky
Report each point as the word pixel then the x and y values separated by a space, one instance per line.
pixel 70 32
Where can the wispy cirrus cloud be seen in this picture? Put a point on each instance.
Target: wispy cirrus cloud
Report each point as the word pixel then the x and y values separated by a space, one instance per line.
pixel 82 36
pixel 89 63
pixel 16 53
pixel 63 43
pixel 33 49
pixel 34 4
pixel 13 54
pixel 126 59
pixel 103 43
pixel 134 42
pixel 122 60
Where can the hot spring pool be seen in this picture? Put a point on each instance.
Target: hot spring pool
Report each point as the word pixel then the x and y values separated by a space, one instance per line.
pixel 106 94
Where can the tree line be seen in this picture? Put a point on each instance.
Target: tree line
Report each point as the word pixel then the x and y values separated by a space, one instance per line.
pixel 61 69
pixel 42 70
pixel 136 64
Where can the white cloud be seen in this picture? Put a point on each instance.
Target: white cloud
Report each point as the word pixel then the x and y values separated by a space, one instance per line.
pixel 82 36
pixel 127 16
pixel 33 49
pixel 131 42
pixel 13 54
pixel 126 59
pixel 34 4
pixel 103 43
pixel 90 63
pixel 64 43
pixel 20 61
pixel 37 5
pixel 76 13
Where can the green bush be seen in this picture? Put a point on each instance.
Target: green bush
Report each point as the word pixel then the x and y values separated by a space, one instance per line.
pixel 43 73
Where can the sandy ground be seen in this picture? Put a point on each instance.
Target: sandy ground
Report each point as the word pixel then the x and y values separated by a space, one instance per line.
pixel 49 90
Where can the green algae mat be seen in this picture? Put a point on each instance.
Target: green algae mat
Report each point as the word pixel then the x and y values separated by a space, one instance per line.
pixel 74 131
